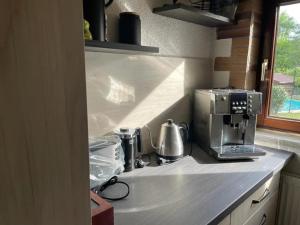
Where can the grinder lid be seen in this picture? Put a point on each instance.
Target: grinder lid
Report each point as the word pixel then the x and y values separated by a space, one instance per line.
pixel 125 132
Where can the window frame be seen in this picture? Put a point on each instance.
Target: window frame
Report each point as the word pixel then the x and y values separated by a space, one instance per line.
pixel 265 120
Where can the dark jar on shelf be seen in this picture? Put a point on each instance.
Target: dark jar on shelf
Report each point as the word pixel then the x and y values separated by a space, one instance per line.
pixel 130 28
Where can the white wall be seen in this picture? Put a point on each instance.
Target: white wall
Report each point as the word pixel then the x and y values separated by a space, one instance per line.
pixel 173 37
pixel 134 90
pixel 222 48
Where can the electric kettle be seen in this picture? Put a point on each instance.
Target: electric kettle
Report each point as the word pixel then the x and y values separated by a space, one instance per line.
pixel 170 142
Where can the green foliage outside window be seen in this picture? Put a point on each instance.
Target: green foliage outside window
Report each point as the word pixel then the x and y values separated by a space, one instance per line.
pixel 288 47
pixel 279 95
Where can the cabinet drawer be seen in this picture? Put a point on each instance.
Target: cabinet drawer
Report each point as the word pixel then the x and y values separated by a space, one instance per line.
pixel 266 214
pixel 226 221
pixel 244 211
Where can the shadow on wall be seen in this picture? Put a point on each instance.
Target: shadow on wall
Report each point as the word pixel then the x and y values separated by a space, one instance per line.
pixel 131 91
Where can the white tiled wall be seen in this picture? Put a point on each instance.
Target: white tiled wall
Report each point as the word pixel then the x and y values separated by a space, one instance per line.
pixel 134 90
pixel 222 48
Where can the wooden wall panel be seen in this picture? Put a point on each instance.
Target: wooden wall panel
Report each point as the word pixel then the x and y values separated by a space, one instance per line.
pixel 43 124
pixel 241 29
pixel 237 83
pixel 245 45
pixel 222 64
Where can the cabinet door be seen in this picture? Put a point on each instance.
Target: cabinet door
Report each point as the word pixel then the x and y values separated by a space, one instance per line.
pixel 248 208
pixel 265 215
pixel 44 164
pixel 226 221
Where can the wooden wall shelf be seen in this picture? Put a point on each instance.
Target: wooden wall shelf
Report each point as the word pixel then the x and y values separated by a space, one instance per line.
pixel 192 14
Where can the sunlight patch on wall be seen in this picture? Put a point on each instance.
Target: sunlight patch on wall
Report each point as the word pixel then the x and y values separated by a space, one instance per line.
pixel 124 6
pixel 168 92
pixel 120 93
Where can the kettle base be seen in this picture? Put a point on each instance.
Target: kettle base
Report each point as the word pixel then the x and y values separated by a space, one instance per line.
pixel 170 158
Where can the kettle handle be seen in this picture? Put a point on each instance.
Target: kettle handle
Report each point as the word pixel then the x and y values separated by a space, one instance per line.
pixel 150 136
pixel 183 126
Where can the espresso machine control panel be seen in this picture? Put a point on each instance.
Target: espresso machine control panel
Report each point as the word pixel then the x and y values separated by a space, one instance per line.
pixel 238 103
pixel 235 102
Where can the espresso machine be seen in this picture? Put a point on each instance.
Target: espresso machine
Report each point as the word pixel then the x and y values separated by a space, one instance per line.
pixel 225 122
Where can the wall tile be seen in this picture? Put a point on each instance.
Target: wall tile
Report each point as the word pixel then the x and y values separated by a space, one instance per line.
pixel 221 79
pixel 222 47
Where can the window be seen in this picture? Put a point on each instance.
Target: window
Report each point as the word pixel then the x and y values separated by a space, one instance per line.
pixel 282 105
pixel 285 98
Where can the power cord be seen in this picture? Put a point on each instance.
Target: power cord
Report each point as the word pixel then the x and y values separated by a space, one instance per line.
pixel 112 181
pixel 191 148
pixel 190 137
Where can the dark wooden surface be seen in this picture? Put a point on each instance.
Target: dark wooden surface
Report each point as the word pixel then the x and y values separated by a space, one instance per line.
pixel 193 191
pixel 192 14
pixel 121 46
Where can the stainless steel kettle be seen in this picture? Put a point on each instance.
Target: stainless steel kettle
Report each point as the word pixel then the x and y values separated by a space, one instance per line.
pixel 170 142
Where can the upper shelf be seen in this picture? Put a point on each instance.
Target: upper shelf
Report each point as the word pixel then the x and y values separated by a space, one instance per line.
pixel 192 14
pixel 120 47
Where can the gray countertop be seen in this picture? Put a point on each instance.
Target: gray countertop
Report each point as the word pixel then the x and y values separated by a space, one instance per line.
pixel 195 190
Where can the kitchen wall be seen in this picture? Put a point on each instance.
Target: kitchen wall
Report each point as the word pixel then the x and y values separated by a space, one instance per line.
pixel 241 64
pixel 133 90
pixel 222 48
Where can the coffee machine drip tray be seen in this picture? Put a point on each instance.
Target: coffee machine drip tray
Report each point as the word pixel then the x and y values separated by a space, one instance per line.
pixel 229 152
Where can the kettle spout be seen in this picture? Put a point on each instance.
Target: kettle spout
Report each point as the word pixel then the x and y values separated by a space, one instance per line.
pixel 151 139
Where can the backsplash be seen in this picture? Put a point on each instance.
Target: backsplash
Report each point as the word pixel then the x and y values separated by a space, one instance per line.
pixel 134 90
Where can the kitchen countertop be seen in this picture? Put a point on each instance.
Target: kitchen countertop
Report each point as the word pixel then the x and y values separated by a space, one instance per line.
pixel 195 190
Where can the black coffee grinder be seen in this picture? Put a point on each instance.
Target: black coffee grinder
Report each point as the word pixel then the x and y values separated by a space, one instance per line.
pixel 132 146
pixel 94 13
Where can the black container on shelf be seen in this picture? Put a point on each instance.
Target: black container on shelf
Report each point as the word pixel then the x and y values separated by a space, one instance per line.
pixel 130 28
pixel 94 13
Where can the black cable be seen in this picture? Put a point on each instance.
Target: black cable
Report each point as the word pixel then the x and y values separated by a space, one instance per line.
pixel 191 138
pixel 191 149
pixel 112 181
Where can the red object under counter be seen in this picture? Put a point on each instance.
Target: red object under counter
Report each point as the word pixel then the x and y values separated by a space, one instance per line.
pixel 102 211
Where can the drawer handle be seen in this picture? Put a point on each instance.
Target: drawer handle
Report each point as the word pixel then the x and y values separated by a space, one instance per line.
pixel 263 220
pixel 265 194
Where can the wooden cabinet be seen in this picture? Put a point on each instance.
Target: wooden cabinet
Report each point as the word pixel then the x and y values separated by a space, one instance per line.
pixel 266 214
pixel 44 167
pixel 226 221
pixel 258 209
pixel 255 202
